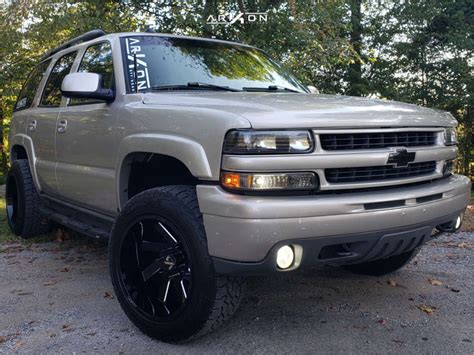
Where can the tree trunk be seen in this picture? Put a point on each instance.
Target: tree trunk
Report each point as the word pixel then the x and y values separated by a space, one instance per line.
pixel 3 153
pixel 354 75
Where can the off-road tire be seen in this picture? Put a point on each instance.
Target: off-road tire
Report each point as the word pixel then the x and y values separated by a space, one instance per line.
pixel 383 266
pixel 214 298
pixel 22 198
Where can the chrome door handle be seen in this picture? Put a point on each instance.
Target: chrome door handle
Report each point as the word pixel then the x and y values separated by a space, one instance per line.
pixel 62 126
pixel 32 126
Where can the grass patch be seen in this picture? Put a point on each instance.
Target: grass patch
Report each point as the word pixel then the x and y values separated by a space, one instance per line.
pixel 5 234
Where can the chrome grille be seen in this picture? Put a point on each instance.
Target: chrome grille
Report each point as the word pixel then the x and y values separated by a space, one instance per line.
pixel 378 173
pixel 347 141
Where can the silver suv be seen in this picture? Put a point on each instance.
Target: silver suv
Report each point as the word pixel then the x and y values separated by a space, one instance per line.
pixel 202 161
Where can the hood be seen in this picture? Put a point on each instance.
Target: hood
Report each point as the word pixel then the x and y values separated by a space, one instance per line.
pixel 292 110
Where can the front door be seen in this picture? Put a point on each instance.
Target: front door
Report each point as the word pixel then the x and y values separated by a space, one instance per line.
pixel 85 141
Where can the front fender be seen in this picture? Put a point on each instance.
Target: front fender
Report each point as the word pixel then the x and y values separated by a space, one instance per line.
pixel 186 150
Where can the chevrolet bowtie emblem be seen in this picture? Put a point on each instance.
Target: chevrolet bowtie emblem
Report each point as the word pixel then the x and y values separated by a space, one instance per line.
pixel 401 158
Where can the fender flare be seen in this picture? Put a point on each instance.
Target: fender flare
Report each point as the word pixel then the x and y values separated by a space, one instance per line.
pixel 186 150
pixel 25 141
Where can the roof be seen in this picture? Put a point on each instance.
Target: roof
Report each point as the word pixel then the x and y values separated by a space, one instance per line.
pixel 98 33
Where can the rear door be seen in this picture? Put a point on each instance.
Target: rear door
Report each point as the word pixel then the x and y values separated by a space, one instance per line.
pixel 85 140
pixel 41 123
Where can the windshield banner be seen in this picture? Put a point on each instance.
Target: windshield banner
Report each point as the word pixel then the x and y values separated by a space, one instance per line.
pixel 137 67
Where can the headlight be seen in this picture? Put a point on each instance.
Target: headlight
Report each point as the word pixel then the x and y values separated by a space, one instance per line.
pixel 450 136
pixel 269 181
pixel 268 142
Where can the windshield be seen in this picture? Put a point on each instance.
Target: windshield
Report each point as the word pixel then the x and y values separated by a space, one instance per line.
pixel 155 62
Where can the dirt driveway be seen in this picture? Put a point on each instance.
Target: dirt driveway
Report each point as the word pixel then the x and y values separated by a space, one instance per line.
pixel 55 296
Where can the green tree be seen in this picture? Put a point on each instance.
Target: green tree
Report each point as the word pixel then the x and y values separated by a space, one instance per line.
pixel 425 52
pixel 30 28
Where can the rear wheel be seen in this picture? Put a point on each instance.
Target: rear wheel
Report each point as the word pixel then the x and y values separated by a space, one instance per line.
pixel 22 202
pixel 383 266
pixel 162 273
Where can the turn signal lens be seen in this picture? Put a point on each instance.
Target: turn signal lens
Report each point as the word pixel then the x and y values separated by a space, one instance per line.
pixel 268 182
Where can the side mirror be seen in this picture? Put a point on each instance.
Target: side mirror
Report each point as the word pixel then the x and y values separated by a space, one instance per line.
pixel 86 86
pixel 312 89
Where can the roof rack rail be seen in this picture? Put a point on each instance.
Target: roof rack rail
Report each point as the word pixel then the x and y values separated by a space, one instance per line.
pixel 79 39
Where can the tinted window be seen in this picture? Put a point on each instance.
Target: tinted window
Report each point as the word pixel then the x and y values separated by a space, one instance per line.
pixel 27 94
pixel 160 61
pixel 52 92
pixel 97 59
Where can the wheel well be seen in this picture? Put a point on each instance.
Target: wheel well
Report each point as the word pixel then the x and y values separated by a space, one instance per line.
pixel 18 152
pixel 144 171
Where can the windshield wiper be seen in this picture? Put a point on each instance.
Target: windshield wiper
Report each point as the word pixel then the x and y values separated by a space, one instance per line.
pixel 193 85
pixel 269 88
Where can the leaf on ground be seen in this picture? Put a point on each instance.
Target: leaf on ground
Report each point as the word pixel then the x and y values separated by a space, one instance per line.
pixel 382 321
pixel 49 283
pixel 427 309
pixel 68 328
pixel 435 282
pixel 465 245
pixel 3 339
pixel 24 293
pixel 61 236
pixel 392 282
pixel 108 295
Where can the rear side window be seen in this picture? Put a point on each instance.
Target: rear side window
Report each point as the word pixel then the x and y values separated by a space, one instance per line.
pixel 27 94
pixel 52 91
pixel 97 59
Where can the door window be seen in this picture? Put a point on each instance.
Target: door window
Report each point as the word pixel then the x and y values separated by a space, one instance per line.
pixel 52 91
pixel 97 59
pixel 27 94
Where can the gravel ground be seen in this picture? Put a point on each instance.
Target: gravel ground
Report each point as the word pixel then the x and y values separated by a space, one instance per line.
pixel 57 297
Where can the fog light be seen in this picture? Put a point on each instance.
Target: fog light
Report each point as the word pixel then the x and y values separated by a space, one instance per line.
pixel 453 226
pixel 285 257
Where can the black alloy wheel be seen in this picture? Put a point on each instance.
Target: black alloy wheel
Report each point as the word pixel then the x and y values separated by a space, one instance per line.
pixel 155 268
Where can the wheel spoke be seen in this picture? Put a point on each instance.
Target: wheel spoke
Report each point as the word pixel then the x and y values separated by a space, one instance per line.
pixel 153 311
pixel 136 250
pixel 183 289
pixel 167 232
pixel 167 289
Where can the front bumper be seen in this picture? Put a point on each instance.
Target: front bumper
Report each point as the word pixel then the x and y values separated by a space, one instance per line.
pixel 247 229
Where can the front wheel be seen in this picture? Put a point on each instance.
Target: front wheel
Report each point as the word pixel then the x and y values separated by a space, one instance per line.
pixel 383 266
pixel 162 273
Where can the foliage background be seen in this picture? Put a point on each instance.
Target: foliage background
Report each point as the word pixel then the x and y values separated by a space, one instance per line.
pixel 407 50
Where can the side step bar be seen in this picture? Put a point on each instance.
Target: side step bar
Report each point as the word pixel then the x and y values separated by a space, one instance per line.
pixel 76 225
